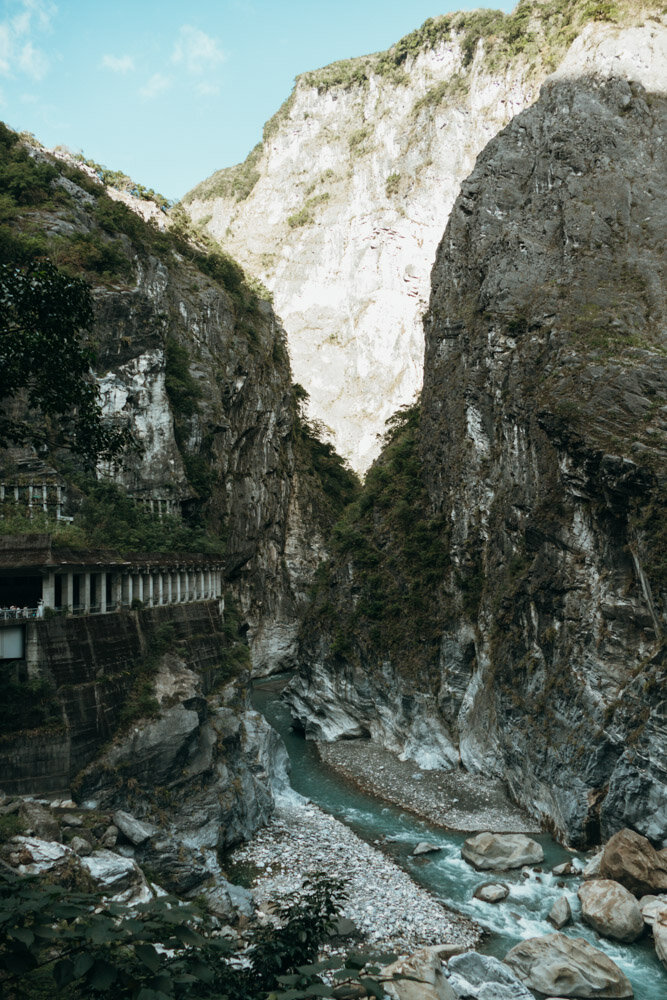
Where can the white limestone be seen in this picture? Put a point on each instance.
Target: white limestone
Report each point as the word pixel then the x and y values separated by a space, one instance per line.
pixel 352 286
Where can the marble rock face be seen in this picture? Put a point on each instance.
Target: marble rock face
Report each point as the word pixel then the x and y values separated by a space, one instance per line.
pixel 557 965
pixel 537 444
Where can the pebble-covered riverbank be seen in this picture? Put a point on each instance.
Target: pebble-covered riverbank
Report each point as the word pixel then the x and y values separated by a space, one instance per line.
pixel 389 909
pixel 452 799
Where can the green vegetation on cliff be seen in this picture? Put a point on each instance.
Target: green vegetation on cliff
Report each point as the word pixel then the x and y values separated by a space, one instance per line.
pixel 89 233
pixel 397 556
pixel 540 34
pixel 333 485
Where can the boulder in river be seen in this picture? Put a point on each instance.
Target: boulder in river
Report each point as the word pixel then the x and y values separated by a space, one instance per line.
pixel 660 936
pixel 611 910
pixel 499 851
pixel 481 977
pixel 592 867
pixel 632 860
pixel 492 892
pixel 558 965
pixel 567 868
pixel 652 907
pixel 424 848
pixel 560 913
pixel 425 966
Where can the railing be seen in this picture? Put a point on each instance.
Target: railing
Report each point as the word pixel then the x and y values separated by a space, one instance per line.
pixel 12 614
pixel 41 611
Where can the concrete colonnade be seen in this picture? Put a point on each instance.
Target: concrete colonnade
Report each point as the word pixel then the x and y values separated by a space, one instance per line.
pixel 102 590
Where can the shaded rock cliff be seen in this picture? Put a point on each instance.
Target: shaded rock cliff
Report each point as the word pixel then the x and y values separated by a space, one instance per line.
pixel 148 712
pixel 341 208
pixel 503 572
pixel 194 360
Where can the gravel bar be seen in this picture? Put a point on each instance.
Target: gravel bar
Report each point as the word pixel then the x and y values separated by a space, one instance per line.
pixel 455 800
pixel 390 910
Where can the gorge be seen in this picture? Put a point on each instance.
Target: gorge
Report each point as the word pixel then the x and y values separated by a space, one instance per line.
pixel 489 605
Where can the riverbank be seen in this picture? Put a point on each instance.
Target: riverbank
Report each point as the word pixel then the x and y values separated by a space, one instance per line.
pixel 454 800
pixel 390 911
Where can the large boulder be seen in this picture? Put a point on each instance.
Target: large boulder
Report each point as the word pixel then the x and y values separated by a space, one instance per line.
pixel 132 828
pixel 481 977
pixel 32 856
pixel 499 851
pixel 652 907
pixel 38 821
pixel 557 965
pixel 660 936
pixel 111 872
pixel 630 859
pixel 425 966
pixel 560 913
pixel 611 910
pixel 492 892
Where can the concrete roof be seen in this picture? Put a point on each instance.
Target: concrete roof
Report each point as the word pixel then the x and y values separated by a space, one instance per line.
pixel 38 552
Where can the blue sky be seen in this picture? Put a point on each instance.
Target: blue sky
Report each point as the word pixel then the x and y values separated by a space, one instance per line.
pixel 171 91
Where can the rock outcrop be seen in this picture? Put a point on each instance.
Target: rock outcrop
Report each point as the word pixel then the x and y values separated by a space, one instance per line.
pixel 632 860
pixel 611 910
pixel 340 209
pixel 499 852
pixel 557 965
pixel 502 567
pixel 194 360
pixel 560 913
pixel 481 977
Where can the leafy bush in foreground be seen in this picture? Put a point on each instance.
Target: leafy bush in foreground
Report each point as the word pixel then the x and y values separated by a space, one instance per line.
pixel 54 944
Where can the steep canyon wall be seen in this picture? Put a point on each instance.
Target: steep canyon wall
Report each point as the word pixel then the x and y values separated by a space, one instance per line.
pixel 502 575
pixel 340 209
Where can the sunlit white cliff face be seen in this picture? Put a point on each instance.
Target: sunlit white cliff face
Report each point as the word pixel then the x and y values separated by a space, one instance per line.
pixel 352 190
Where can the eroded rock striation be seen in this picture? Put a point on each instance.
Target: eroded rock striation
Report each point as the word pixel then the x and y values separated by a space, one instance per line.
pixel 499 583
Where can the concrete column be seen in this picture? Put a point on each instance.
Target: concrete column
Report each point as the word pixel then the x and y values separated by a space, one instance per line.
pixel 178 586
pixel 45 500
pixel 202 585
pixel 151 588
pixel 103 593
pixel 49 589
pixel 117 588
pixel 140 586
pixel 130 588
pixel 160 588
pixel 86 591
pixel 68 590
pixel 170 587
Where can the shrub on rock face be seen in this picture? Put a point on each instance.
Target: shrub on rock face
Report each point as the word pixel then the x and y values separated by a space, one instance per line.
pixel 611 910
pixel 630 859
